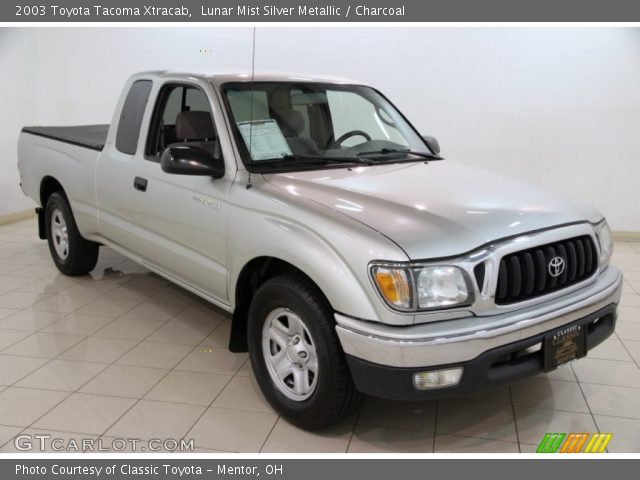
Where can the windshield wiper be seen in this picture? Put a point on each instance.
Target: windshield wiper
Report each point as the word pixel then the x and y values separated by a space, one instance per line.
pixel 385 151
pixel 301 159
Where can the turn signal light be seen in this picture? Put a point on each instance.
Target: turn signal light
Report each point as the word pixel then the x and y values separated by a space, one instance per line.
pixel 393 284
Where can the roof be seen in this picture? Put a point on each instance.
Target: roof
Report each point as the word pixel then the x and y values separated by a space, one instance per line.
pixel 219 78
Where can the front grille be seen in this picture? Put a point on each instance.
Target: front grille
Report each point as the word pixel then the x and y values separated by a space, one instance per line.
pixel 527 274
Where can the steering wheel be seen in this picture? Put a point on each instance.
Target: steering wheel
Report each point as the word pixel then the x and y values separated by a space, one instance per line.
pixel 352 133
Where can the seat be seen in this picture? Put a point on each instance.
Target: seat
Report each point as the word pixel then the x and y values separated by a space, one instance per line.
pixel 196 128
pixel 292 124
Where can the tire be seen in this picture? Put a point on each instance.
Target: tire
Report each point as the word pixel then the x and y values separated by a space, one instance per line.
pixel 284 308
pixel 72 254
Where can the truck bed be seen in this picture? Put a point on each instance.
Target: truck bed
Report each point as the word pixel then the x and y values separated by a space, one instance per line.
pixel 88 136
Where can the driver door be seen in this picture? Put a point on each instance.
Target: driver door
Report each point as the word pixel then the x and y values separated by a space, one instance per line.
pixel 181 218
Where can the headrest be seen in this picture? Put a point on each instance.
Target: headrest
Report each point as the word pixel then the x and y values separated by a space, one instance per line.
pixel 195 125
pixel 292 120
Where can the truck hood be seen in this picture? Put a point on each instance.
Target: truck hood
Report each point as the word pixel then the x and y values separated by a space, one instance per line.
pixel 435 209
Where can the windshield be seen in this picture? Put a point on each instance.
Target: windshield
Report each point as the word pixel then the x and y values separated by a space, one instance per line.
pixel 297 123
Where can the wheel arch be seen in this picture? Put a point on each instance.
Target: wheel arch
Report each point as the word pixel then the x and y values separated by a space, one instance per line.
pixel 252 275
pixel 48 186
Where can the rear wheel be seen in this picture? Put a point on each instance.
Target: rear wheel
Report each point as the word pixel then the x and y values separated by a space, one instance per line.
pixel 296 355
pixel 72 254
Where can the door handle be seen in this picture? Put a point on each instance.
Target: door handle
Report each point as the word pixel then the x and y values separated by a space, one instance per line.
pixel 140 183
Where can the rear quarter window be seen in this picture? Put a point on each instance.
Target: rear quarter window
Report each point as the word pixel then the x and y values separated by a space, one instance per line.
pixel 131 117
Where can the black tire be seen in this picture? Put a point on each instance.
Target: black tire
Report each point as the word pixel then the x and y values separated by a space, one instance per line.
pixel 81 255
pixel 335 396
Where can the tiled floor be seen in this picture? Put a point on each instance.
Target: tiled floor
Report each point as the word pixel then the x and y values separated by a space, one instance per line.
pixel 124 354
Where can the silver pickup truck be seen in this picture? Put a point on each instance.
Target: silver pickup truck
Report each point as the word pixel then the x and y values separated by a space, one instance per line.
pixel 352 257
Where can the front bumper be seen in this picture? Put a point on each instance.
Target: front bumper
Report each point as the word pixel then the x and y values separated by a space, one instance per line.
pixel 384 358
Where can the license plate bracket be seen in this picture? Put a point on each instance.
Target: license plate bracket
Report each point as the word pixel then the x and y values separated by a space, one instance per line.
pixel 564 345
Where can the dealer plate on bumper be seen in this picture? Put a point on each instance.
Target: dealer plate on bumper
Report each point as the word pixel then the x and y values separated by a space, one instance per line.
pixel 564 345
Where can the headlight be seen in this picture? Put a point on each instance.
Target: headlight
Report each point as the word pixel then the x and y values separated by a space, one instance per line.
pixel 441 287
pixel 606 242
pixel 414 288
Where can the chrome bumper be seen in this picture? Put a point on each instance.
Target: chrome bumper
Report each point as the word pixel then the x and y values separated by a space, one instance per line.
pixel 462 340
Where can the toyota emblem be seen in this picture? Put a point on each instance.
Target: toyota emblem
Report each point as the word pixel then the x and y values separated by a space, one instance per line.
pixel 556 266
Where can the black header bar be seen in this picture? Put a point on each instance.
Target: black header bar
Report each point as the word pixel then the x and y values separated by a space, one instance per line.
pixel 64 11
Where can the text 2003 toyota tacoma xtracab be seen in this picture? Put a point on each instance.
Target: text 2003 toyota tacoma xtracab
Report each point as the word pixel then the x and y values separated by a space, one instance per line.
pixel 352 256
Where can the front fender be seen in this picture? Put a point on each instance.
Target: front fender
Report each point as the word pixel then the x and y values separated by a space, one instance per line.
pixel 332 249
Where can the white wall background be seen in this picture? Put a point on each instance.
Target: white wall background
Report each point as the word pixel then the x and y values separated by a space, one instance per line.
pixel 69 76
pixel 557 107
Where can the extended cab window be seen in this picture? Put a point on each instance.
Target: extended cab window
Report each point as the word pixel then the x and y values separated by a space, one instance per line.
pixel 131 117
pixel 182 114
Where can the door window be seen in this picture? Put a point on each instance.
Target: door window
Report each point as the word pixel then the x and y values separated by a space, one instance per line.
pixel 184 104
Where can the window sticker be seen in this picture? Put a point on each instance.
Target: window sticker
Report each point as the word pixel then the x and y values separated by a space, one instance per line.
pixel 264 139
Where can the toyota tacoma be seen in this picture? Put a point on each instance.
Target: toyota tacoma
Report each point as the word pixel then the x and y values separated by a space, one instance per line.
pixel 351 255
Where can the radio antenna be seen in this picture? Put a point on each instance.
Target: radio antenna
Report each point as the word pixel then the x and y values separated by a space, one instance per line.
pixel 253 76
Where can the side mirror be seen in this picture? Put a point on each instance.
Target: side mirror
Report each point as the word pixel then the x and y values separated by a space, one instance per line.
pixel 432 143
pixel 191 160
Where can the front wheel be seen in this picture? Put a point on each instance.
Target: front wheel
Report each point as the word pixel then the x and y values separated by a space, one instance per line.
pixel 72 254
pixel 296 355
